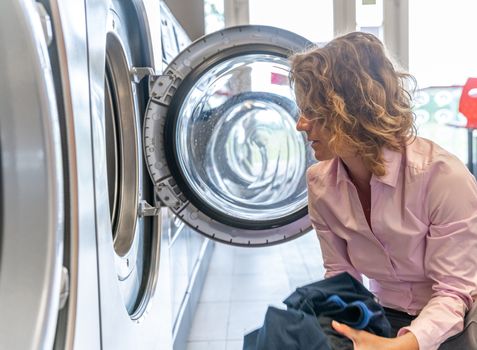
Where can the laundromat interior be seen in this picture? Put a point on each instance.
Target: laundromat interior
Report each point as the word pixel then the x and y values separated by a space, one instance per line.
pixel 153 184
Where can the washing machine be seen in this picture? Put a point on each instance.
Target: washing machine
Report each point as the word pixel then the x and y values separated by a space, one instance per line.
pixel 79 259
pixel 210 139
pixel 134 297
pixel 31 250
pixel 221 146
pixel 48 266
pixel 97 139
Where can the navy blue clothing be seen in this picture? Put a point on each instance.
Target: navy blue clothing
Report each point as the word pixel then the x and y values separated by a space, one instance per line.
pixel 397 319
pixel 306 324
pixel 287 329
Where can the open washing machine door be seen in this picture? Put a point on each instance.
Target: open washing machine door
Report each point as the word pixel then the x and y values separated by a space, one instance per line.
pixel 220 141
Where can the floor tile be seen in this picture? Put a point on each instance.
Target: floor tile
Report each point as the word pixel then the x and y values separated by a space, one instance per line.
pixel 210 322
pixel 217 287
pixel 259 264
pixel 259 287
pixel 242 282
pixel 222 260
pixel 207 345
pixel 245 317
pixel 234 345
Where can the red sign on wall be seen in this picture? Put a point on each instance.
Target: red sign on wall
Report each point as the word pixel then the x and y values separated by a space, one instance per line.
pixel 468 102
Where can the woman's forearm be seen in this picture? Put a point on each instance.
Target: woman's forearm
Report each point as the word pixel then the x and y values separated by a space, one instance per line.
pixel 406 341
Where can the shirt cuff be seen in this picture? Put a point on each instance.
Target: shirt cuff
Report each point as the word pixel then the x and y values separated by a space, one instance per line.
pixel 418 336
pixel 422 337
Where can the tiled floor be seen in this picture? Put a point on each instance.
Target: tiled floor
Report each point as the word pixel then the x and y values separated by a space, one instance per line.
pixel 243 282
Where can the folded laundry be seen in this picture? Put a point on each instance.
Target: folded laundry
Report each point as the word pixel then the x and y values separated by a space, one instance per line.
pixel 306 324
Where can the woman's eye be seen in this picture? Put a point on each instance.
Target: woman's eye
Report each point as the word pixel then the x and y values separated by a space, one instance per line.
pixel 306 112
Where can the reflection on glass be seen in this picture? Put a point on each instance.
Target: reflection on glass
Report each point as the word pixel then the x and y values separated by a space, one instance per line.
pixel 236 140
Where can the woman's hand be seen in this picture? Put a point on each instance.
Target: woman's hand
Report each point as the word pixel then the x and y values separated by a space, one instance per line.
pixel 363 340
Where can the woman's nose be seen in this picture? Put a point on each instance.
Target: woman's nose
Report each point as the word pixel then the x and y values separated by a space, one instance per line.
pixel 303 124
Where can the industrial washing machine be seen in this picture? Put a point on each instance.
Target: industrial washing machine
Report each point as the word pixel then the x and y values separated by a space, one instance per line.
pixel 134 297
pixel 48 260
pixel 78 259
pixel 97 140
pixel 221 145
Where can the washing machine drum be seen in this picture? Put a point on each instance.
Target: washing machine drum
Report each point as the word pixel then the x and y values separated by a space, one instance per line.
pixel 220 138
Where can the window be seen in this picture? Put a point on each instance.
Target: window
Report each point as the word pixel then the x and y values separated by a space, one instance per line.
pixel 369 17
pixel 214 15
pixel 310 19
pixel 442 55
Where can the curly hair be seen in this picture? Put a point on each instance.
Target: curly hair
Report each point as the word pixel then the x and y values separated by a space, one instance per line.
pixel 352 87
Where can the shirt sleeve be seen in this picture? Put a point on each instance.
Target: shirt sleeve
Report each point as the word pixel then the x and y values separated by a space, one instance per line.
pixel 335 254
pixel 450 259
pixel 333 248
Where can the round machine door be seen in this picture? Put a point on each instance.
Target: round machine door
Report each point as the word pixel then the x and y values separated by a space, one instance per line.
pixel 220 139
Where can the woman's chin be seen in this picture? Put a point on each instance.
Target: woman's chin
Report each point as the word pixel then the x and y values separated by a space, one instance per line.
pixel 320 156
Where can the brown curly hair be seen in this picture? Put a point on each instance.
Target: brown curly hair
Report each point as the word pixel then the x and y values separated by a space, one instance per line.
pixel 352 87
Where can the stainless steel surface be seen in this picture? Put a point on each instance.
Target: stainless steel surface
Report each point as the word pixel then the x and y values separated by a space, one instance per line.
pixel 150 13
pixel 31 183
pixel 145 209
pixel 123 116
pixel 78 323
pixel 45 23
pixel 64 287
pixel 211 138
pixel 138 73
pixel 200 252
pixel 108 286
pixel 129 245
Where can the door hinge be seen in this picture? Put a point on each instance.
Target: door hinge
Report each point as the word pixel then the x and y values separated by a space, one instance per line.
pixel 145 209
pixel 139 73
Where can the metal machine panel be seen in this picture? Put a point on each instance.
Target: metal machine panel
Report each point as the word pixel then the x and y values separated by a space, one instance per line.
pixel 134 294
pixel 78 320
pixel 174 37
pixel 32 225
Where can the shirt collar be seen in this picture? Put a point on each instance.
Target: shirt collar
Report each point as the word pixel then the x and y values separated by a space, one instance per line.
pixel 392 162
pixel 341 173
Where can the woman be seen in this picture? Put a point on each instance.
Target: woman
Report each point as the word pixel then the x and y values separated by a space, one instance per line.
pixel 386 204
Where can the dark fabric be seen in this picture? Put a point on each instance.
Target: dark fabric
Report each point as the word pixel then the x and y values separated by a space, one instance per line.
pixel 397 319
pixel 310 310
pixel 466 340
pixel 287 329
pixel 306 324
pixel 312 299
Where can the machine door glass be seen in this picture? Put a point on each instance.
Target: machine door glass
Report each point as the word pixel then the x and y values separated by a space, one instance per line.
pixel 220 139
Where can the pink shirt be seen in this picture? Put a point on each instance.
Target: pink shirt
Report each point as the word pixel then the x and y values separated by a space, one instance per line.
pixel 420 252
